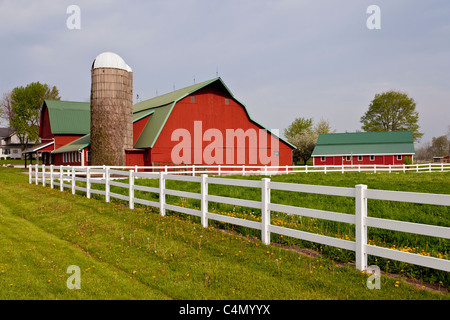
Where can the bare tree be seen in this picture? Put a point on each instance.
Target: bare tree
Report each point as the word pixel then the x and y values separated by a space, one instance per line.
pixel 6 109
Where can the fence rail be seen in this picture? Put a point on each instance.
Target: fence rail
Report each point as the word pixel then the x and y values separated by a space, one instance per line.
pixel 220 170
pixel 66 178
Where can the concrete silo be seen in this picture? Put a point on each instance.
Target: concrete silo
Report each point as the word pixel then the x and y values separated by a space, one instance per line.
pixel 111 110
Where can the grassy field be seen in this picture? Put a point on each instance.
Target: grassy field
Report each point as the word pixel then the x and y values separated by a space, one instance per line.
pixel 426 214
pixel 137 254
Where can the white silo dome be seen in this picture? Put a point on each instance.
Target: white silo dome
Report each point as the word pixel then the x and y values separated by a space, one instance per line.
pixel 110 60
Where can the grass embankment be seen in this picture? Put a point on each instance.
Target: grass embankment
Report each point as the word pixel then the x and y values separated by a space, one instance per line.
pixel 125 254
pixel 417 213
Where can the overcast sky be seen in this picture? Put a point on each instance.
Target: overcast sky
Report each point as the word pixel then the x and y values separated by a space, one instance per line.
pixel 282 58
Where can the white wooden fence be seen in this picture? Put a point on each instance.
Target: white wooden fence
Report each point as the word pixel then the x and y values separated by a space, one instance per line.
pixel 220 170
pixel 66 177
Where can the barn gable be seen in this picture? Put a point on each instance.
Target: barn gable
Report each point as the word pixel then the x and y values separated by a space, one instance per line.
pixel 163 106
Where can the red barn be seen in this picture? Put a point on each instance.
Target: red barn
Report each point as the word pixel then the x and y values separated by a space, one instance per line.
pixel 61 122
pixel 203 124
pixel 363 148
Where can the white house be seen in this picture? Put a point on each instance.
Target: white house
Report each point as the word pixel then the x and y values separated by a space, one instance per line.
pixel 9 144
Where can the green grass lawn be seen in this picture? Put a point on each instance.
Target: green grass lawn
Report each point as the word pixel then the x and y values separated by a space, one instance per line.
pixel 137 254
pixel 417 213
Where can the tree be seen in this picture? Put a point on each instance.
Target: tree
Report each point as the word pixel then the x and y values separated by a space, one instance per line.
pixel 299 125
pixel 6 111
pixel 439 146
pixel 392 111
pixel 26 105
pixel 323 126
pixel 302 133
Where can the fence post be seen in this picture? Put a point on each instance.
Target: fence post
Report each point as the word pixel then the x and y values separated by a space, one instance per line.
pixel 51 176
pixel 442 167
pixel 306 168
pixel 37 174
pixel 204 201
pixel 430 167
pixel 88 182
pixel 73 180
pixel 162 194
pixel 43 175
pixel 131 189
pixel 107 187
pixel 61 180
pixel 404 168
pixel 389 168
pixel 325 169
pixel 361 226
pixel 265 212
pixel 193 170
pixel 30 174
pixel 218 170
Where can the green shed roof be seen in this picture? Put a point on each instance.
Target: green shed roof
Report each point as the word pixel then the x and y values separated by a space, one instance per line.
pixel 365 143
pixel 75 145
pixel 69 117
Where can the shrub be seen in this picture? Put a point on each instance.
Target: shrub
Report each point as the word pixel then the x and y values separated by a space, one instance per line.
pixel 407 160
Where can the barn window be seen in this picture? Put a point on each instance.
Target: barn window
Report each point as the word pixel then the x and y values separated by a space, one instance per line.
pixel 372 158
pixel 227 101
pixel 192 98
pixel 399 157
pixel 322 159
pixel 88 156
pixel 64 158
pixel 348 158
pixel 359 158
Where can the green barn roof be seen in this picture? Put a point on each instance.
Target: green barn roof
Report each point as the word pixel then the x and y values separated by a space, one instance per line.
pixel 69 117
pixel 364 143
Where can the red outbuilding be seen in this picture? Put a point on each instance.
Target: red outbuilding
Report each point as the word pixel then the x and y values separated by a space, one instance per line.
pixel 363 148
